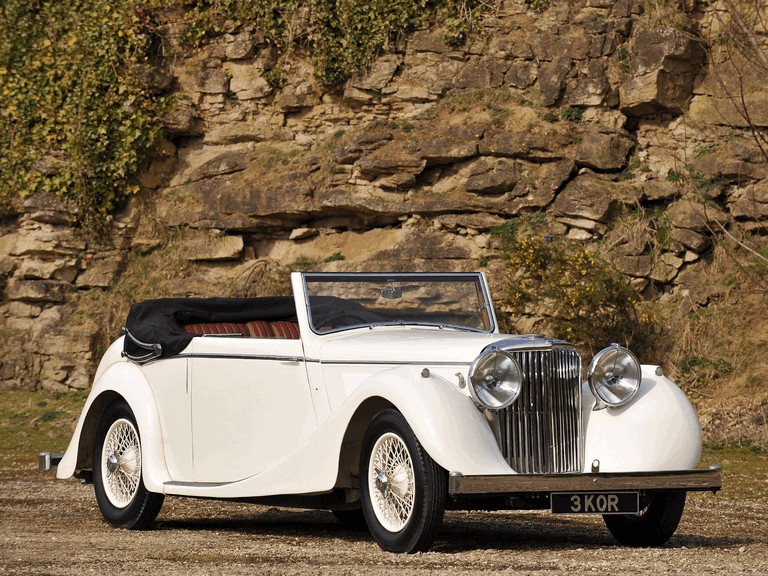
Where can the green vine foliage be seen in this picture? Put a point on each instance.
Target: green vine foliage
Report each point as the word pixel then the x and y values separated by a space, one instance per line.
pixel 78 121
pixel 75 120
pixel 342 36
pixel 349 33
pixel 275 19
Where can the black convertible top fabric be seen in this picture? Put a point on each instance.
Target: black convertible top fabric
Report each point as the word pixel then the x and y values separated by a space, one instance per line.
pixel 162 321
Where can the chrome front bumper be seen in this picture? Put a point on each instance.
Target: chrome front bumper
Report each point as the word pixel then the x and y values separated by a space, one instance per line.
pixel 688 480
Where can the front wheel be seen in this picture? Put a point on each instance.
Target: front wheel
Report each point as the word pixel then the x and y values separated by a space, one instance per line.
pixel 403 490
pixel 654 525
pixel 123 500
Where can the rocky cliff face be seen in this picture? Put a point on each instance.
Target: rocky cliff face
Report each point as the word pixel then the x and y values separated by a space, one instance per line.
pixel 622 130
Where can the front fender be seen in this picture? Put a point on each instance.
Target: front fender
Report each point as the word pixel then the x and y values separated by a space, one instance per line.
pixel 658 430
pixel 447 423
pixel 121 379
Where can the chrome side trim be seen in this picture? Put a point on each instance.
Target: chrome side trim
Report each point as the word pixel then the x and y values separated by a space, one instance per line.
pixel 695 480
pixel 241 357
pixel 318 361
pixel 385 362
pixel 195 484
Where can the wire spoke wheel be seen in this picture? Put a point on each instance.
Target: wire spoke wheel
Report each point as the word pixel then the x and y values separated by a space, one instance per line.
pixel 121 463
pixel 402 490
pixel 123 499
pixel 391 482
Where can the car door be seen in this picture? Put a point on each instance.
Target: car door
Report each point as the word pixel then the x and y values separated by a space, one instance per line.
pixel 251 405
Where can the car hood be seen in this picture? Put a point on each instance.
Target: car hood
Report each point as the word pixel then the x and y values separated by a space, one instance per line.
pixel 417 345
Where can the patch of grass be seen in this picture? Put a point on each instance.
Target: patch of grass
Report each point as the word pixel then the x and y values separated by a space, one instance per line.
pixel 632 168
pixel 32 422
pixel 625 60
pixel 666 14
pixel 572 114
pixel 335 257
pixel 499 117
pixel 550 117
pixel 745 469
pixel 492 99
pixel 703 149
pixel 538 6
pixel 710 186
pixel 702 369
pixel 303 264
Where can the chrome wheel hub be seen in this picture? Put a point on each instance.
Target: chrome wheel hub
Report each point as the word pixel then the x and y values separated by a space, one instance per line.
pixel 382 482
pixel 113 464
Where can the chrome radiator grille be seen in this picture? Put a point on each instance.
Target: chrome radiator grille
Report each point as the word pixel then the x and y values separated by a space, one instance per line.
pixel 540 433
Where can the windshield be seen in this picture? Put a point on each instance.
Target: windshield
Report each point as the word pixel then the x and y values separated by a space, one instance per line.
pixel 342 301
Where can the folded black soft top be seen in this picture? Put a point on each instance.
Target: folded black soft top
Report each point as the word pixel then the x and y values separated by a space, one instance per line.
pixel 161 322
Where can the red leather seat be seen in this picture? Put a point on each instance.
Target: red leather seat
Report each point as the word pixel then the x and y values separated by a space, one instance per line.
pixel 216 328
pixel 252 329
pixel 259 329
pixel 289 330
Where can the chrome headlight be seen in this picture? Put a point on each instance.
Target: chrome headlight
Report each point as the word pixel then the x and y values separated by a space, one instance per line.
pixel 614 376
pixel 495 379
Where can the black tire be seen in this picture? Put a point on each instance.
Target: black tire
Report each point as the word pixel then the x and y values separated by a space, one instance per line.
pixel 421 493
pixel 123 500
pixel 654 525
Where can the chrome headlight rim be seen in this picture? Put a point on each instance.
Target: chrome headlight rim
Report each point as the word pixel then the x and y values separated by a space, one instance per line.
pixel 605 391
pixel 478 389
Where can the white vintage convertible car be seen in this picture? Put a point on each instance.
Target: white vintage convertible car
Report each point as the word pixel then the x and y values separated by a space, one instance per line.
pixel 385 398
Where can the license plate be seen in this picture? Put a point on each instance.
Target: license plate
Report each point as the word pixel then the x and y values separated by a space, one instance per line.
pixel 596 503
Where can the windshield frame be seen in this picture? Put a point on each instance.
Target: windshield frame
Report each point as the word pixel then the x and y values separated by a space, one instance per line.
pixel 478 278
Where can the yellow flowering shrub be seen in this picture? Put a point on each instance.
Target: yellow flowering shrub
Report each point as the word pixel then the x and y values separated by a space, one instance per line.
pixel 580 297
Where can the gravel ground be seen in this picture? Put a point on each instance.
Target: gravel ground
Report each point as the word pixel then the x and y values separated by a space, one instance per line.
pixel 50 526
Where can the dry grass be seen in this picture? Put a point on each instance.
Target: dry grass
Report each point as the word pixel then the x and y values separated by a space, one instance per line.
pixel 717 354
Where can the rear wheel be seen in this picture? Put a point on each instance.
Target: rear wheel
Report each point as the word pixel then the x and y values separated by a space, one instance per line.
pixel 403 490
pixel 654 525
pixel 123 500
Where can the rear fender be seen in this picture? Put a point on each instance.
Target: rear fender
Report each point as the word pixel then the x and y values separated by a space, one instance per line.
pixel 120 380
